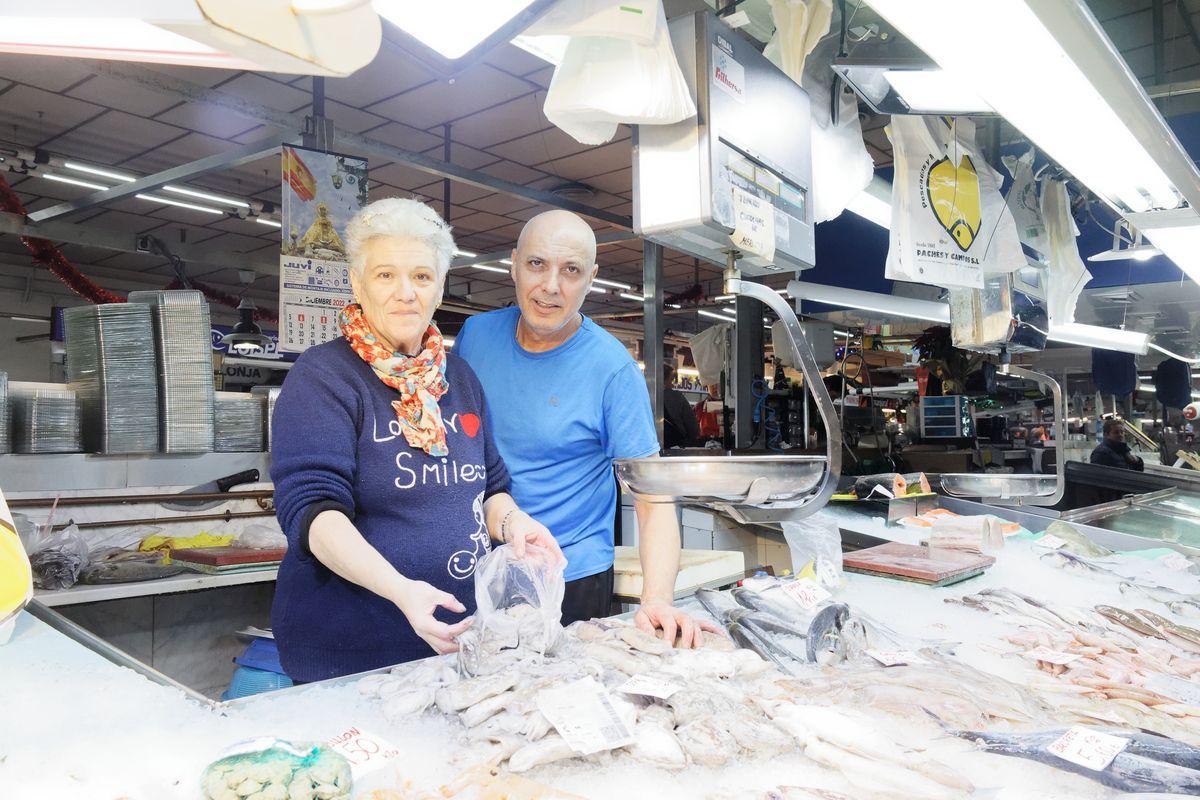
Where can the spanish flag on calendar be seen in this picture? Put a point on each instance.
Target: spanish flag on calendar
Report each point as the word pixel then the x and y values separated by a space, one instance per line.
pixel 298 175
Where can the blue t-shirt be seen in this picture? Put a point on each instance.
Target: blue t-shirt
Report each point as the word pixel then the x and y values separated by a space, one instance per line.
pixel 336 444
pixel 559 419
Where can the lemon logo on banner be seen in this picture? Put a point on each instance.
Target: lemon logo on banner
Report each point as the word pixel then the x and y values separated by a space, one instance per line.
pixel 953 194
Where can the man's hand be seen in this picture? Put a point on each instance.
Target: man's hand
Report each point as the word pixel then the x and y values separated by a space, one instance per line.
pixel 418 600
pixel 656 615
pixel 523 530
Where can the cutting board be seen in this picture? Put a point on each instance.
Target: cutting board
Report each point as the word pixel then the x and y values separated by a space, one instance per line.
pixel 937 566
pixel 228 556
pixel 696 568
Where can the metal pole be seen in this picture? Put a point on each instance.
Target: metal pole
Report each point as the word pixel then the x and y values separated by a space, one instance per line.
pixel 446 182
pixel 652 329
pixel 748 365
pixel 318 96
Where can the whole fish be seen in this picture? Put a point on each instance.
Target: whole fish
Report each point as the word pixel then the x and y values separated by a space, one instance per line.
pixel 1073 563
pixel 1130 621
pixel 1076 542
pixel 824 633
pixel 1188 638
pixel 773 601
pixel 746 638
pixel 718 604
pixel 1147 764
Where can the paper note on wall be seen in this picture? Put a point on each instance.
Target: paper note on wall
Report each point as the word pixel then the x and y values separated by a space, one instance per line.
pixel 754 229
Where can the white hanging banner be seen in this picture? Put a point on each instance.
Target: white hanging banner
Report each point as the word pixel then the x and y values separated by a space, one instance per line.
pixel 1025 203
pixel 950 225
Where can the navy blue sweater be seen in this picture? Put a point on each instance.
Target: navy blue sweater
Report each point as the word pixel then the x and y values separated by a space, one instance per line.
pixel 336 444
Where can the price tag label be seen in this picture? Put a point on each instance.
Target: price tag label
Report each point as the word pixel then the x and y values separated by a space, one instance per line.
pixel 1043 653
pixel 1175 688
pixel 807 592
pixel 365 751
pixel 584 715
pixel 1088 748
pixel 1051 541
pixel 649 686
pixel 895 658
pixel 1176 562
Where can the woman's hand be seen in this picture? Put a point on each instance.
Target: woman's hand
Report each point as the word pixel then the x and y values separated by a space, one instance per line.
pixel 418 600
pixel 519 529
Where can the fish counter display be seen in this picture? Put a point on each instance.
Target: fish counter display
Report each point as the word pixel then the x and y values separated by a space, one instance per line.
pixel 1064 671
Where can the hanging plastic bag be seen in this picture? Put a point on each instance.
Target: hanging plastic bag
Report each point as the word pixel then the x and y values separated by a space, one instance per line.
pixel 1067 272
pixel 950 225
pixel 842 167
pixel 710 350
pixel 518 606
pixel 799 25
pixel 604 81
pixel 632 20
pixel 1026 205
pixel 816 545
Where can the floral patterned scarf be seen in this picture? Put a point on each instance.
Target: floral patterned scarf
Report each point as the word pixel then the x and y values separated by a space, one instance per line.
pixel 420 379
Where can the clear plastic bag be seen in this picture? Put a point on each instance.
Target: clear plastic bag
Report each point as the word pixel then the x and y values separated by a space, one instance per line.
pixel 57 557
pixel 270 767
pixel 604 81
pixel 518 607
pixel 261 536
pixel 816 545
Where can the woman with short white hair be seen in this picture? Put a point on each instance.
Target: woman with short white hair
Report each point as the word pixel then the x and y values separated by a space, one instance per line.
pixel 387 481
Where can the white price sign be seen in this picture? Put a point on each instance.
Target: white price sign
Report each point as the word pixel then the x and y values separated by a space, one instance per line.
pixel 1051 541
pixel 649 686
pixel 1176 562
pixel 365 751
pixel 1175 688
pixel 895 658
pixel 584 715
pixel 1043 653
pixel 807 592
pixel 1088 748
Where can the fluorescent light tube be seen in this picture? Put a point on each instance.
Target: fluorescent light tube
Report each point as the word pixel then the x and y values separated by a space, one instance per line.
pixel 465 254
pixel 711 315
pixel 885 304
pixel 178 203
pixel 1176 233
pixel 103 173
pixel 614 284
pixel 215 198
pixel 448 341
pixel 1087 111
pixel 270 222
pixel 1100 337
pixel 872 209
pixel 635 297
pixel 550 49
pixel 490 268
pixel 597 290
pixel 74 182
pixel 451 27
pixel 506 261
pixel 934 90
pixel 724 298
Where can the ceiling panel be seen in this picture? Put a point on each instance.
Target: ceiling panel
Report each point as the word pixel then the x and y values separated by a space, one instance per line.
pixel 33 115
pixel 515 118
pixel 405 137
pixel 399 175
pixel 207 119
pixel 594 161
pixel 512 172
pixel 545 145
pixel 205 76
pixel 269 93
pixel 390 73
pixel 513 59
pixel 354 120
pixel 618 181
pixel 45 72
pixel 121 95
pixel 113 137
pixel 499 204
pixel 477 88
pixel 482 221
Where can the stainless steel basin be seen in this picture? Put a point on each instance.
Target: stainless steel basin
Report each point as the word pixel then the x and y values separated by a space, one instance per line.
pixel 721 478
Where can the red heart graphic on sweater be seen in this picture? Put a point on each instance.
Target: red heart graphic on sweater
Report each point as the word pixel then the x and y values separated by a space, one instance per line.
pixel 470 424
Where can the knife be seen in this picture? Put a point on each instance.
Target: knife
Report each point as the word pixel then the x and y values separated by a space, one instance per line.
pixel 220 485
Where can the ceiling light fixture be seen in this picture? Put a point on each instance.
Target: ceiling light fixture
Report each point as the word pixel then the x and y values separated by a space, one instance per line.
pixel 178 203
pixel 1176 233
pixel 246 338
pixel 614 284
pixel 597 290
pixel 99 171
pixel 1127 243
pixel 874 203
pixel 73 181
pixel 263 37
pixel 635 297
pixel 264 221
pixel 711 315
pixel 490 268
pixel 1089 113
pixel 464 254
pixel 450 27
pixel 215 198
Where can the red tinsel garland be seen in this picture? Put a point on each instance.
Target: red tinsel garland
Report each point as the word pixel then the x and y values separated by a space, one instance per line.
pixel 47 254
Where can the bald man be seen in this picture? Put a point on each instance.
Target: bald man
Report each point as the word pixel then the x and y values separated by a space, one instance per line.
pixel 565 399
